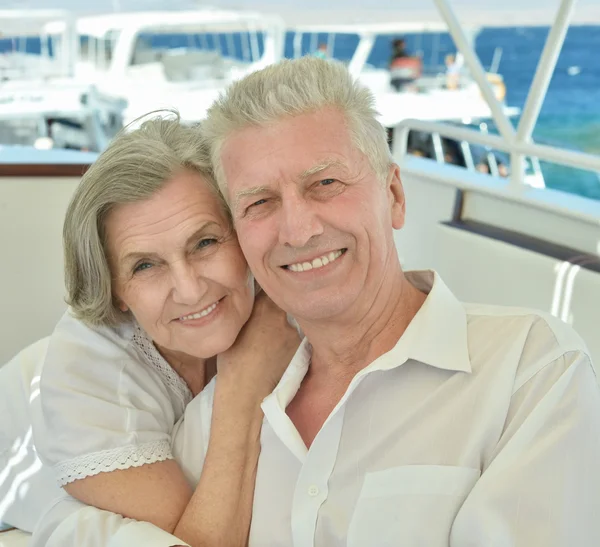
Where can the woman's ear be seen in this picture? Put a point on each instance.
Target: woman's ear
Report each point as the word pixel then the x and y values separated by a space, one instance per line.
pixel 120 305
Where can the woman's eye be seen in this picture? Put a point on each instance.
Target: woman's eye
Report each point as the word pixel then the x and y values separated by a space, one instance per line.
pixel 207 242
pixel 142 266
pixel 326 182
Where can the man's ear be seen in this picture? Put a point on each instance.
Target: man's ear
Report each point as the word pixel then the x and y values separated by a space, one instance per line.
pixel 396 195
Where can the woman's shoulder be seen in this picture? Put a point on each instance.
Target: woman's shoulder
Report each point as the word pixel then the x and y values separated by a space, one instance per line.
pixel 73 334
pixel 121 352
pixel 102 405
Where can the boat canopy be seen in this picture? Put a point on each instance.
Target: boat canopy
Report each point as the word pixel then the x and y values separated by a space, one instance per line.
pixel 167 22
pixel 29 22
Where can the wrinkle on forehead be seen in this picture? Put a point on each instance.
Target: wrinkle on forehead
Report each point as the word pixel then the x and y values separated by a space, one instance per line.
pixel 256 159
pixel 131 226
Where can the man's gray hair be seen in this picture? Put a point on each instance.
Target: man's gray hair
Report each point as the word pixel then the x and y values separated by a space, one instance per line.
pixel 133 168
pixel 290 88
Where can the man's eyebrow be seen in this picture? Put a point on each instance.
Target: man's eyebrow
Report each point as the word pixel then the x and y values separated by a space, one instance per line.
pixel 248 192
pixel 321 166
pixel 325 164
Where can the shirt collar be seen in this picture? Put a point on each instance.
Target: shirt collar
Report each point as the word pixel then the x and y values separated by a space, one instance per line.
pixel 437 336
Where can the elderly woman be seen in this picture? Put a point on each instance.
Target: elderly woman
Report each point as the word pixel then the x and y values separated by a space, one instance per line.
pixel 160 298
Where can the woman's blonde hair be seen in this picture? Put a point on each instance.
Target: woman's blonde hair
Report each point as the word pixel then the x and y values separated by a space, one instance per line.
pixel 134 167
pixel 291 88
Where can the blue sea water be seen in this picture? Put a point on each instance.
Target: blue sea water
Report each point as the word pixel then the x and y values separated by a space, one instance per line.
pixel 570 114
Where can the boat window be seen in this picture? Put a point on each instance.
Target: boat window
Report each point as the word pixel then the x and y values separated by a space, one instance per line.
pixel 420 144
pixel 339 46
pixel 97 51
pixel 235 46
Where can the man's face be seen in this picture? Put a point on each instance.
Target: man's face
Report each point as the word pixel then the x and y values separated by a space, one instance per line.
pixel 313 219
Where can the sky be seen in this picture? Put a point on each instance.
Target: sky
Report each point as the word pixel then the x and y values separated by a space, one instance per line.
pixel 487 12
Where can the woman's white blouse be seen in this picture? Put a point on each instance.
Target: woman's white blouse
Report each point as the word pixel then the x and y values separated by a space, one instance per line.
pixel 107 401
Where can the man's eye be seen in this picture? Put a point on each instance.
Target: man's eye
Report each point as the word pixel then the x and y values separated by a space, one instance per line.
pixel 207 242
pixel 142 266
pixel 257 203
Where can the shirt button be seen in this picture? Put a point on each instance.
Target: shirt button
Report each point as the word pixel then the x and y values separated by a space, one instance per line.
pixel 313 491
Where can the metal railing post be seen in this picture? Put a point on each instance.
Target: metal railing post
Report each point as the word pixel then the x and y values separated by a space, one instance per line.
pixel 460 39
pixel 545 70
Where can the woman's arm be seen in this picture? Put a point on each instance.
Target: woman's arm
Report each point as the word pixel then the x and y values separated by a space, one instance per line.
pixel 70 523
pixel 218 512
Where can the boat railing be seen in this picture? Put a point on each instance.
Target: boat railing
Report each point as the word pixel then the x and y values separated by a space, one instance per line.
pixel 515 148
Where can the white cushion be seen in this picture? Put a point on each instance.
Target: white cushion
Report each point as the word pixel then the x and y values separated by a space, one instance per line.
pixel 22 477
pixel 14 538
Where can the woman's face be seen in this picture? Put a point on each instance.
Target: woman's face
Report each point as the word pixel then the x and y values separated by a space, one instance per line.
pixel 178 268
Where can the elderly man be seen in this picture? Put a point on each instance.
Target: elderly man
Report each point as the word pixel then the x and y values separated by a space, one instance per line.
pixel 406 417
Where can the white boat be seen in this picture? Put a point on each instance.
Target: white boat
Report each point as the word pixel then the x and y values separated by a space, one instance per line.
pixel 116 54
pixel 493 239
pixel 41 105
pixel 55 57
pixel 59 114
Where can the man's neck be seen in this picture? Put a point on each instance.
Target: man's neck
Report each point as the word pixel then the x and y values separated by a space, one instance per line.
pixel 344 346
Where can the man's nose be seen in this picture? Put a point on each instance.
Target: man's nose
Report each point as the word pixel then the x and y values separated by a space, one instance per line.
pixel 299 221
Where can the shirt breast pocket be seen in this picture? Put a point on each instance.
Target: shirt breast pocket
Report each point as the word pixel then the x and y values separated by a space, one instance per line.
pixel 410 506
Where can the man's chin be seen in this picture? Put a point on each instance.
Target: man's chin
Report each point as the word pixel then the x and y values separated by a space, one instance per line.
pixel 317 312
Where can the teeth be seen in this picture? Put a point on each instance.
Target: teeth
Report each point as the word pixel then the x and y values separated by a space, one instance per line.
pixel 198 315
pixel 316 263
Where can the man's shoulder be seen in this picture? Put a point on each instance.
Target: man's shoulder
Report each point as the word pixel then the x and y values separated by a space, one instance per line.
pixel 535 339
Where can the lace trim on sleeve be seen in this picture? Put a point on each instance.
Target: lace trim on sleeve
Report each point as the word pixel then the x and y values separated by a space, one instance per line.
pixel 154 358
pixel 104 461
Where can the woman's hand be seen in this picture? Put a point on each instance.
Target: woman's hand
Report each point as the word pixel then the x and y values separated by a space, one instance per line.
pixel 262 350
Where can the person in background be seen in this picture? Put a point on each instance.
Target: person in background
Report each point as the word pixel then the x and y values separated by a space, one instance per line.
pixel 503 169
pixel 322 52
pixel 398 49
pixel 452 72
pixel 404 68
pixel 483 167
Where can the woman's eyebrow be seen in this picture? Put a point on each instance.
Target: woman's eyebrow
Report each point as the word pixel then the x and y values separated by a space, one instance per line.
pixel 134 256
pixel 200 231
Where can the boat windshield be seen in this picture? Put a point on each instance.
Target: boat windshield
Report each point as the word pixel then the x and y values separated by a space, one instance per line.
pixel 238 46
